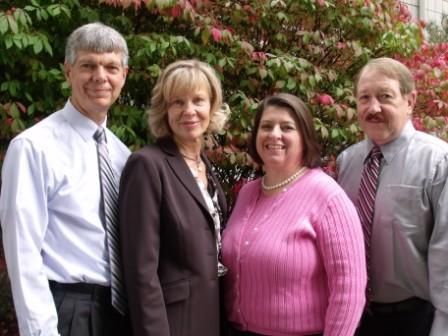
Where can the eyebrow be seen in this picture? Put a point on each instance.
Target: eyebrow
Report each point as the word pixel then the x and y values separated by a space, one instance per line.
pixel 379 90
pixel 281 122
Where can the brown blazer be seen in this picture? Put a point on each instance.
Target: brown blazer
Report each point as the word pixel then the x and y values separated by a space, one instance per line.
pixel 168 245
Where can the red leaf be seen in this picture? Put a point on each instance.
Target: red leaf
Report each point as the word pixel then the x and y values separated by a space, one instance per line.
pixel 216 34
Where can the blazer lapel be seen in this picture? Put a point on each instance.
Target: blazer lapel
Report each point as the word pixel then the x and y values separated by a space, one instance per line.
pixel 182 171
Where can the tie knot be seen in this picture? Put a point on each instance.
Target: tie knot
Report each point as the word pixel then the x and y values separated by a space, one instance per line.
pixel 375 153
pixel 100 135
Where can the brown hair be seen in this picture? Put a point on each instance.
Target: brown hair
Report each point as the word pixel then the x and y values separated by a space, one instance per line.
pixel 305 125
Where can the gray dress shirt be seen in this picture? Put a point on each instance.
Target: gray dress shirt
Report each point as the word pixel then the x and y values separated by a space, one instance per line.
pixel 409 247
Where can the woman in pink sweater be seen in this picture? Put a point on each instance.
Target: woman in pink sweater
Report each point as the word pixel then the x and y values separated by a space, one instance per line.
pixel 293 244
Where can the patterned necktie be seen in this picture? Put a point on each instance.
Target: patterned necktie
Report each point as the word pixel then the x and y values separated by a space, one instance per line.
pixel 109 192
pixel 366 201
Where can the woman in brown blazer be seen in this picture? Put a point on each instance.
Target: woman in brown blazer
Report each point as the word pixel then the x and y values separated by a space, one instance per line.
pixel 171 210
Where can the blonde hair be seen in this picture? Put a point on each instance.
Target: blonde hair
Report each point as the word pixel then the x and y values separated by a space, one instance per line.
pixel 185 76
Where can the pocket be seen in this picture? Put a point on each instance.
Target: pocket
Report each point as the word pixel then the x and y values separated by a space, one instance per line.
pixel 65 311
pixel 176 291
pixel 176 296
pixel 407 210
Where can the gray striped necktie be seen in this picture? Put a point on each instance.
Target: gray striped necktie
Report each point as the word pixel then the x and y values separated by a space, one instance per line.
pixel 366 201
pixel 109 192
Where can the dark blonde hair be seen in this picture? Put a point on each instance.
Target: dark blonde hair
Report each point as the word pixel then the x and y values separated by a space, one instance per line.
pixel 185 76
pixel 304 122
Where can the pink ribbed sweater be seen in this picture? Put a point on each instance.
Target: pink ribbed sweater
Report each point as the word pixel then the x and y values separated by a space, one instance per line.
pixel 296 260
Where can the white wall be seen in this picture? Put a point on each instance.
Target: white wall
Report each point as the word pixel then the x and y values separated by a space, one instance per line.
pixel 428 10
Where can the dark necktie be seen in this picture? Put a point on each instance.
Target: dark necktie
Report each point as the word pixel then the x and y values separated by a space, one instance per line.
pixel 366 201
pixel 109 192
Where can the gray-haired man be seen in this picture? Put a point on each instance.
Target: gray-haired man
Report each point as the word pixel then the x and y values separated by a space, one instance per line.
pixel 52 204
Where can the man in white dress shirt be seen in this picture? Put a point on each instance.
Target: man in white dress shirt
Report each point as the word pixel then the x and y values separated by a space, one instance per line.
pixel 408 266
pixel 50 201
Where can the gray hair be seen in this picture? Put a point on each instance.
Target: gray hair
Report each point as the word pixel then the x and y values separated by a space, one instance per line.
pixel 392 69
pixel 98 38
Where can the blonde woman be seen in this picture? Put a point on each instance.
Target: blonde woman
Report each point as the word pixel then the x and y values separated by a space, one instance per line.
pixel 171 210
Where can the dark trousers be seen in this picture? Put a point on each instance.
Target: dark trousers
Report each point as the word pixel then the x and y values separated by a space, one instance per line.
pixel 248 333
pixel 86 310
pixel 412 317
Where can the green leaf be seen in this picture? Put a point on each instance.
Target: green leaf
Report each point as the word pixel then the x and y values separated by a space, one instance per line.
pixel 47 47
pixel 353 129
pixel 54 10
pixel 350 113
pixel 31 109
pixel 306 38
pixel 8 42
pixel 291 85
pixel 311 81
pixel 280 84
pixel 66 11
pixel 14 111
pixel 17 126
pixel 18 42
pixel 154 70
pixel 37 46
pixel 281 16
pixel 12 24
pixel 3 24
pixel 23 18
pixel 44 14
pixel 335 133
pixel 205 36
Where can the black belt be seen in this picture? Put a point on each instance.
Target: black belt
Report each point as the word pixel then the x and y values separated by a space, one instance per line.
pixel 94 291
pixel 396 307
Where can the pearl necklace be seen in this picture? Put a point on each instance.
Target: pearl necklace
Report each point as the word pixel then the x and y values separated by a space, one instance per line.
pixel 198 161
pixel 293 177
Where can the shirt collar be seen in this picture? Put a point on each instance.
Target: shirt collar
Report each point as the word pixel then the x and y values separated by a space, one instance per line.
pixel 391 148
pixel 83 125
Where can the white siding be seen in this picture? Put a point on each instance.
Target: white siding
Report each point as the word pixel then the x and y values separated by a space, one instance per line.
pixel 427 10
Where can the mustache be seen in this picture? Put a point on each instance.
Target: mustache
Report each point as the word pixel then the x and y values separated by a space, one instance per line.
pixel 374 117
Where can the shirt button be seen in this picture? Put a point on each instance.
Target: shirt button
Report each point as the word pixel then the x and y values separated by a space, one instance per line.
pixel 256 229
pixel 246 242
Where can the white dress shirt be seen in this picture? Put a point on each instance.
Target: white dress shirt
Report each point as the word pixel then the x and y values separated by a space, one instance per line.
pixel 409 244
pixel 50 213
